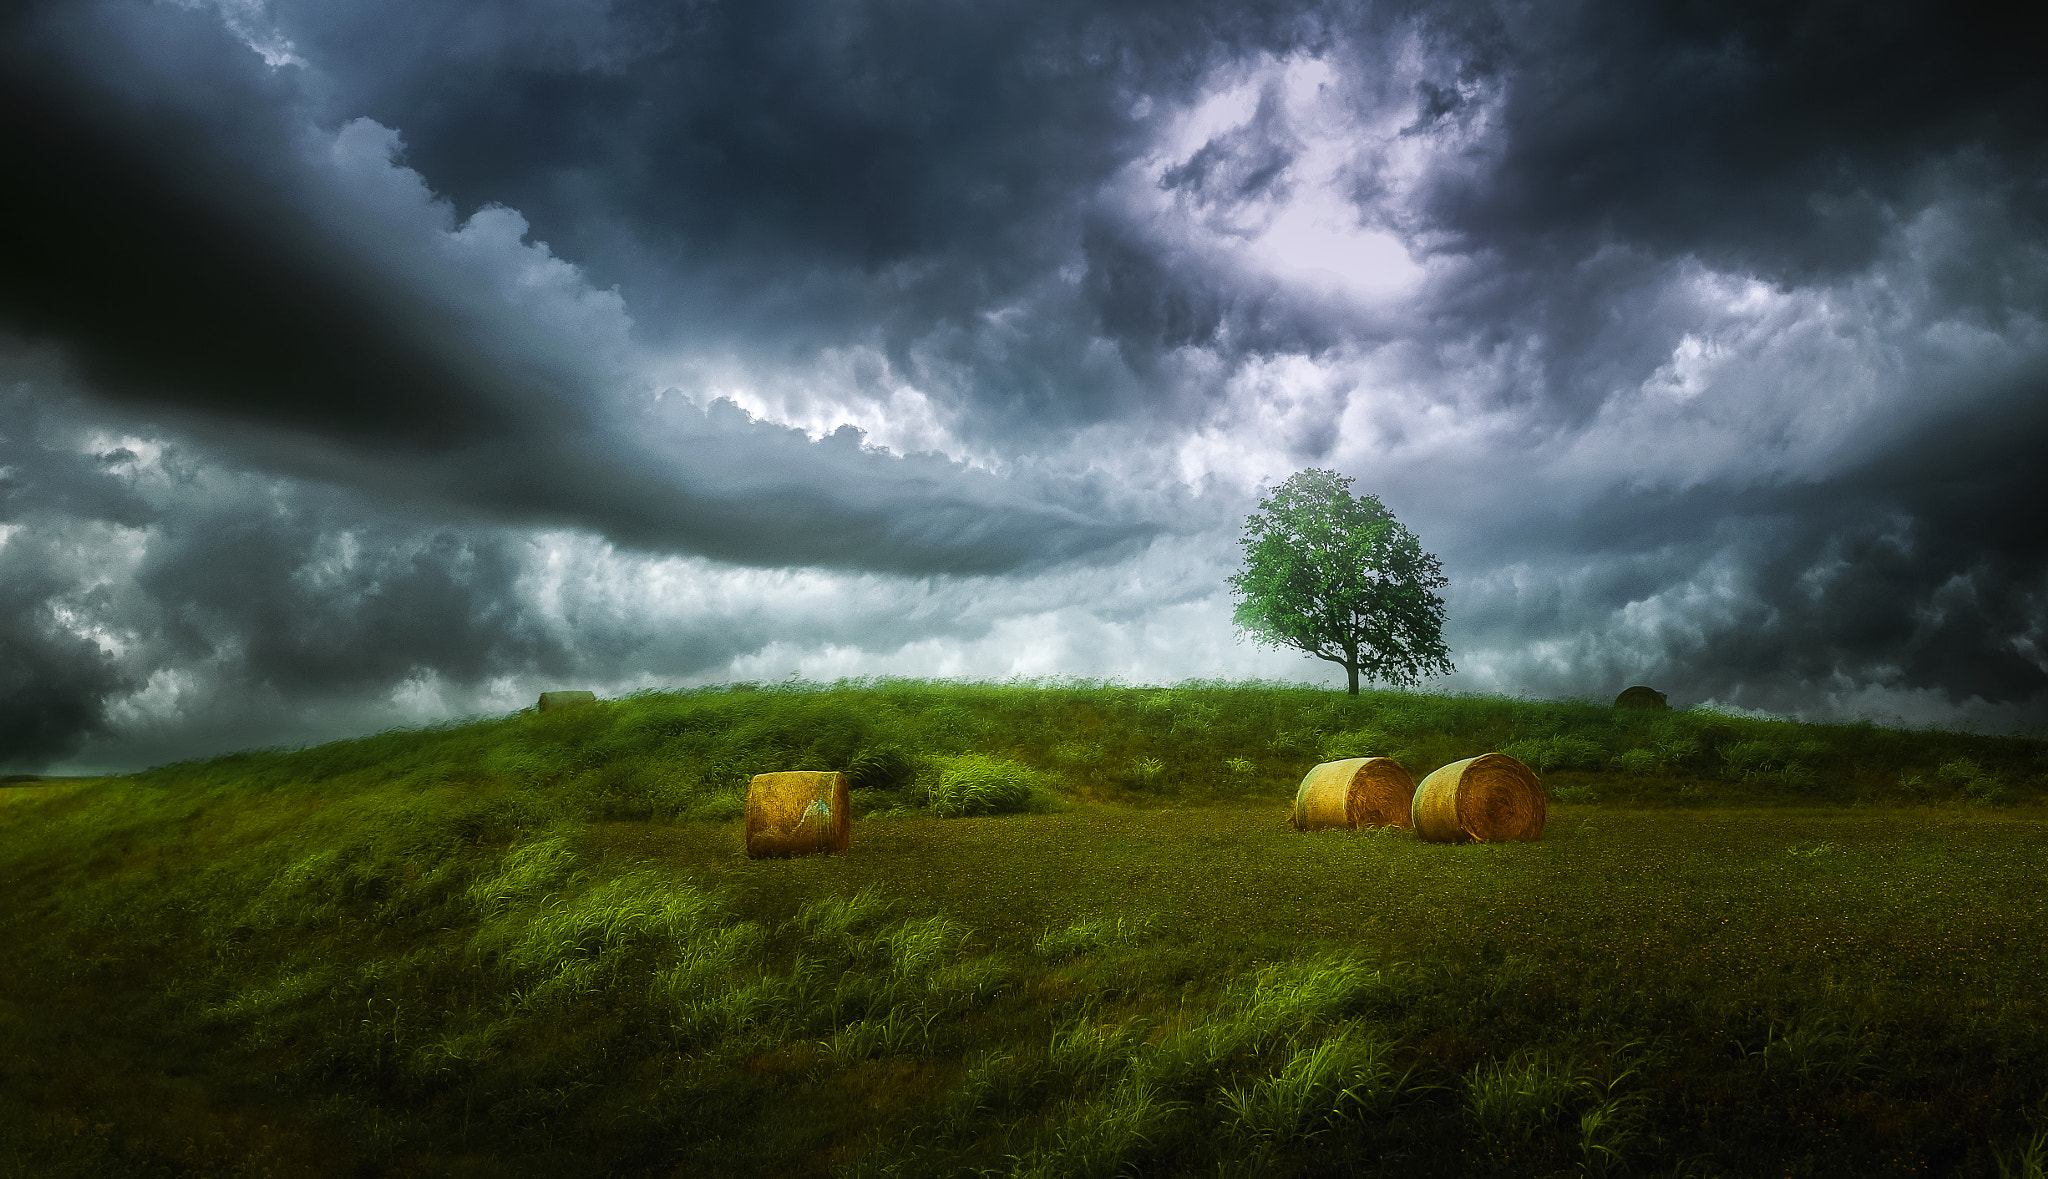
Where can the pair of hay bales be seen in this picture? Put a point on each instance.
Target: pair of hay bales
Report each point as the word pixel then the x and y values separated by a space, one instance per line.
pixel 1490 798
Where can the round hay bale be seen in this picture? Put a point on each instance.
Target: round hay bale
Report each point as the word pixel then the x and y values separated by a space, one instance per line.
pixel 1641 697
pixel 550 701
pixel 797 813
pixel 1491 798
pixel 1353 793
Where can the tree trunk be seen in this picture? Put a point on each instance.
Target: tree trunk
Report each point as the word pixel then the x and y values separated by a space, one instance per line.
pixel 1351 669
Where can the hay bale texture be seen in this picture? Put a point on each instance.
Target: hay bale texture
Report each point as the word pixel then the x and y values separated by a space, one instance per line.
pixel 1353 793
pixel 1491 798
pixel 798 813
pixel 549 701
pixel 1642 697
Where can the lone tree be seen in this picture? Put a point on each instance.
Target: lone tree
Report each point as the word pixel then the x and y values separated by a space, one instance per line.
pixel 1337 576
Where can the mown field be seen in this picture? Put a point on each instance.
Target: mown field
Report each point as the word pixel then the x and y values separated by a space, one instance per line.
pixel 1074 936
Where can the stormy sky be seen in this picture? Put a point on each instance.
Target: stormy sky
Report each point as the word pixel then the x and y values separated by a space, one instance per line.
pixel 378 363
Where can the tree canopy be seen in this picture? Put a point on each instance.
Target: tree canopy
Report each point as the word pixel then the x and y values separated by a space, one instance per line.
pixel 1335 575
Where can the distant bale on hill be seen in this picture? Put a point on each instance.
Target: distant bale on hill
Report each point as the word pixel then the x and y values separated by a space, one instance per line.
pixel 1352 793
pixel 549 701
pixel 1641 697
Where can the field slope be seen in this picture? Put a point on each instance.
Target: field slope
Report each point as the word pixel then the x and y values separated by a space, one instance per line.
pixel 1074 937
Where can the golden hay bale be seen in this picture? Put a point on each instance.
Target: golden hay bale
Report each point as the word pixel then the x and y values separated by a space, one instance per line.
pixel 797 813
pixel 1490 798
pixel 1353 793
pixel 553 700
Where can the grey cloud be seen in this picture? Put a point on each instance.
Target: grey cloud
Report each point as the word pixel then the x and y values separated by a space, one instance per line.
pixel 780 177
pixel 53 678
pixel 156 602
pixel 153 236
pixel 183 259
pixel 1922 572
pixel 1780 138
pixel 1246 163
pixel 53 683
pixel 1144 304
pixel 119 566
pixel 785 133
pixel 313 605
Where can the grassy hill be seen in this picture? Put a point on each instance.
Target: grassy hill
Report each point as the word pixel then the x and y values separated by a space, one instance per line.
pixel 1073 937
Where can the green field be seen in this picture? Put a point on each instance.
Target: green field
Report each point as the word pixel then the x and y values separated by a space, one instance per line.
pixel 531 945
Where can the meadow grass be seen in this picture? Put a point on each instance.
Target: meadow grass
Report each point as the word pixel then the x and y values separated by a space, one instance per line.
pixel 531 945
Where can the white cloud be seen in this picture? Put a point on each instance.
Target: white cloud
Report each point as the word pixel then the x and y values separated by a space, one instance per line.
pixel 251 23
pixel 1299 225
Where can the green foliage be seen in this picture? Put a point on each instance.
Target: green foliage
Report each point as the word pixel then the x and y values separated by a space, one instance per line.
pixel 1966 777
pixel 1544 754
pixel 1576 793
pixel 1346 1076
pixel 2029 1160
pixel 1336 576
pixel 884 770
pixel 1523 1096
pixel 1357 743
pixel 1640 762
pixel 1089 935
pixel 1818 1049
pixel 1145 774
pixel 977 784
pixel 1102 1136
pixel 1534 1110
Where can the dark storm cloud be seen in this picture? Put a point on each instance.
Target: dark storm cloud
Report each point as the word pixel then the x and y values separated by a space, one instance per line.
pixel 1780 138
pixel 157 602
pixel 261 603
pixel 782 134
pixel 781 176
pixel 158 244
pixel 1921 570
pixel 53 680
pixel 1799 144
pixel 167 237
pixel 788 175
pixel 315 605
pixel 53 683
pixel 118 567
pixel 1245 163
pixel 1938 563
